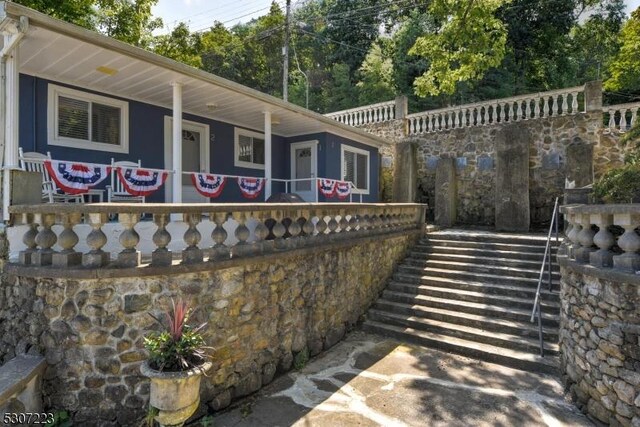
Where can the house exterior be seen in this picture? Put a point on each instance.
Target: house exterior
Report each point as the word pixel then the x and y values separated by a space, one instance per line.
pixel 85 97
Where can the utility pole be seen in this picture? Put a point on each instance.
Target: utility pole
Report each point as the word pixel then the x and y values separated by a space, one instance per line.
pixel 285 52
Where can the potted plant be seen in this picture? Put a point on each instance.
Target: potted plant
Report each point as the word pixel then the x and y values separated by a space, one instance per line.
pixel 177 361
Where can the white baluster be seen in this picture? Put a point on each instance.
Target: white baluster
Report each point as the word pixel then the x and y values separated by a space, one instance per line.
pixel 519 110
pixel 528 109
pixel 536 108
pixel 565 104
pixel 612 119
pixel 554 106
pixel 486 115
pixel 634 115
pixel 494 113
pixel 623 120
pixel 574 102
pixel 503 108
pixel 545 107
pixel 464 117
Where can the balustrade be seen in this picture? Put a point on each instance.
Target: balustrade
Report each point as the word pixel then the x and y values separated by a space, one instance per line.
pixel 526 107
pixel 620 118
pixel 255 229
pixel 368 114
pixel 603 248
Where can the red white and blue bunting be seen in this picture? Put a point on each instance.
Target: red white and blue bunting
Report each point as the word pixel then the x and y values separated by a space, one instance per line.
pixel 141 182
pixel 208 185
pixel 75 177
pixel 251 187
pixel 343 189
pixel 327 187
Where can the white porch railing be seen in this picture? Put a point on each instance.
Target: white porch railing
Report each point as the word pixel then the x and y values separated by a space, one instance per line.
pixel 621 117
pixel 517 108
pixel 50 232
pixel 368 114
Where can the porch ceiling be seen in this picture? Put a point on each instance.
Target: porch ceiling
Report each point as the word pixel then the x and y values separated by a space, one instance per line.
pixel 55 50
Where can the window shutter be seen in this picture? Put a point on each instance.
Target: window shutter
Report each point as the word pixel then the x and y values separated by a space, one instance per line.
pixel 73 118
pixel 105 124
pixel 349 166
pixel 361 173
pixel 258 151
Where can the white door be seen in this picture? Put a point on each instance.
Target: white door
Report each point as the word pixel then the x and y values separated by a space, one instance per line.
pixel 304 165
pixel 195 156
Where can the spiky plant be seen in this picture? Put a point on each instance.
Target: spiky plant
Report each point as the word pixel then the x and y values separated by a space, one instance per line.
pixel 178 347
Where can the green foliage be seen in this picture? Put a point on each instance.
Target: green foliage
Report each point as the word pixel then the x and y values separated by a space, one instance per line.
pixel 470 41
pixel 625 67
pixel 79 12
pixel 60 419
pixel 180 45
pixel 129 21
pixel 149 419
pixel 301 359
pixel 621 185
pixel 376 78
pixel 179 347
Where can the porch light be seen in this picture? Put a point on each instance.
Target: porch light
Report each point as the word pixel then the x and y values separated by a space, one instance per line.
pixel 106 70
pixel 275 120
pixel 211 106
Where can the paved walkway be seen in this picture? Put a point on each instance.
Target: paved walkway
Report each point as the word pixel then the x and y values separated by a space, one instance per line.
pixel 367 380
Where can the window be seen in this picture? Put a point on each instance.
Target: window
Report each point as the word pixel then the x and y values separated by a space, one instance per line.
pixel 249 149
pixel 84 120
pixel 355 168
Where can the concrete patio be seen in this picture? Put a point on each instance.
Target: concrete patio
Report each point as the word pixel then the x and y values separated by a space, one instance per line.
pixel 367 380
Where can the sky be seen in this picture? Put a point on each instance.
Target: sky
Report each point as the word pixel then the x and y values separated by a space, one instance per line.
pixel 200 14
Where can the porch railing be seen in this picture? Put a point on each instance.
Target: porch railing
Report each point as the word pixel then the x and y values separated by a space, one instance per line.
pixel 621 117
pixel 517 108
pixel 257 229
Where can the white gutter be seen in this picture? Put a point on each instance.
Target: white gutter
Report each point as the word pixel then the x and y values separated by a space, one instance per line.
pixel 13 32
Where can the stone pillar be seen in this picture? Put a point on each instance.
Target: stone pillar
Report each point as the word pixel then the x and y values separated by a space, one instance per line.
pixel 593 96
pixel 402 107
pixel 512 179
pixel 580 163
pixel 445 209
pixel 404 180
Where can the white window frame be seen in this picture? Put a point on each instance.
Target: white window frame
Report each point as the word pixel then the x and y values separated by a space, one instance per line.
pixel 354 150
pixel 54 91
pixel 236 148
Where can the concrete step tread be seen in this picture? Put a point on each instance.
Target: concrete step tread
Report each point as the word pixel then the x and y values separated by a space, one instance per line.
pixel 410 279
pixel 480 350
pixel 476 259
pixel 507 323
pixel 455 265
pixel 506 254
pixel 424 299
pixel 470 330
pixel 486 236
pixel 455 292
pixel 484 244
pixel 474 275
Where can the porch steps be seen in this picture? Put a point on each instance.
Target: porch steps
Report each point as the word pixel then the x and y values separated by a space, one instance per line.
pixel 472 293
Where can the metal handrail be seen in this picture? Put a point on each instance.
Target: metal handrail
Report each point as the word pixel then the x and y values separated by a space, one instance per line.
pixel 537 309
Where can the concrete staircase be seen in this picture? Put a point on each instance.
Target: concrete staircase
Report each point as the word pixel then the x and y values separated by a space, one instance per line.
pixel 472 293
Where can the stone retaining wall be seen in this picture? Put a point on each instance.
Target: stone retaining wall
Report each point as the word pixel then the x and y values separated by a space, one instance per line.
pixel 261 314
pixel 600 342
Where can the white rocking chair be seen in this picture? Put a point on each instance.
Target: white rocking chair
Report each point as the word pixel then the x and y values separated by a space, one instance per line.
pixel 116 191
pixel 34 162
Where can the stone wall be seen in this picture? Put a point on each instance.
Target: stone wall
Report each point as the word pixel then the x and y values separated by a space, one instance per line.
pixel 261 313
pixel 600 342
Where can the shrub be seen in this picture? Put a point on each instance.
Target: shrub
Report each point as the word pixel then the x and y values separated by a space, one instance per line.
pixel 621 185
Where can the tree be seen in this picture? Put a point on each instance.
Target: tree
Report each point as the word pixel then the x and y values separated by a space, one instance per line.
pixel 470 40
pixel 180 45
pixel 625 67
pixel 79 12
pixel 376 78
pixel 129 21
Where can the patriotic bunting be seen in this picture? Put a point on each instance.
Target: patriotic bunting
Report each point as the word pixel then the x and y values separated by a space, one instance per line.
pixel 327 187
pixel 141 182
pixel 251 187
pixel 74 177
pixel 208 185
pixel 343 189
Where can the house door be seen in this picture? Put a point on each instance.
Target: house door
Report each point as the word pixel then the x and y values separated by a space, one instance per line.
pixel 195 156
pixel 304 165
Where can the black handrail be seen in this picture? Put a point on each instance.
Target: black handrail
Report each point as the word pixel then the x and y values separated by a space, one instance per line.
pixel 537 309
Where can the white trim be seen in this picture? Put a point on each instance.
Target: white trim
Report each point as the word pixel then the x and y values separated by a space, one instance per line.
pixel 313 144
pixel 345 147
pixel 205 143
pixel 236 135
pixel 54 91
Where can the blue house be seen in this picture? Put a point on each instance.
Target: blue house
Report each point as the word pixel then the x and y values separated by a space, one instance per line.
pixel 85 97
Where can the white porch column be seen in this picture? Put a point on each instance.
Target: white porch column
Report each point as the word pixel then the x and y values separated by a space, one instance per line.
pixel 267 154
pixel 177 143
pixel 11 123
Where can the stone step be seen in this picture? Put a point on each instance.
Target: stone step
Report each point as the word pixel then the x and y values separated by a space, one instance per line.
pixel 516 272
pixel 549 318
pixel 486 259
pixel 509 326
pixel 482 245
pixel 515 290
pixel 423 250
pixel 473 275
pixel 520 239
pixel 507 357
pixel 550 304
pixel 471 333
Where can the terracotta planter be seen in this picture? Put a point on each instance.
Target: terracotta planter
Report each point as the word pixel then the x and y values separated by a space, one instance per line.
pixel 176 395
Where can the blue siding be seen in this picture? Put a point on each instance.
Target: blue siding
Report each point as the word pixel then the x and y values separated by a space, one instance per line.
pixel 146 142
